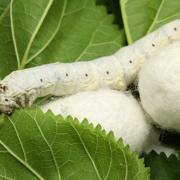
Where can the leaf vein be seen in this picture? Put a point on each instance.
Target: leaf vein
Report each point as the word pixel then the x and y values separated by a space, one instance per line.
pixel 46 141
pixel 126 165
pixel 170 17
pixel 87 152
pixel 52 37
pixel 26 53
pixel 110 163
pixel 22 161
pixel 4 12
pixel 19 139
pixel 156 17
pixel 5 177
pixel 90 41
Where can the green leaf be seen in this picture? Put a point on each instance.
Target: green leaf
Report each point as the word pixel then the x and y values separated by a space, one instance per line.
pixel 47 31
pixel 143 16
pixel 163 167
pixel 3 5
pixel 7 53
pixel 34 145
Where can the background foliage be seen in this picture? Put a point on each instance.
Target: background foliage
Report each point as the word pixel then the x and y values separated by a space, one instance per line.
pixel 37 32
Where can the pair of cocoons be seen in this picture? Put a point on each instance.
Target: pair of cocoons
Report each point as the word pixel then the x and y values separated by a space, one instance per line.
pixel 115 111
pixel 159 87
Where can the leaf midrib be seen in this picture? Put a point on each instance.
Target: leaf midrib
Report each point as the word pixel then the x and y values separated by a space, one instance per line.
pixel 22 161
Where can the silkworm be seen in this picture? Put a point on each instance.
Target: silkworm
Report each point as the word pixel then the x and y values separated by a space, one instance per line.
pixel 117 71
pixel 23 87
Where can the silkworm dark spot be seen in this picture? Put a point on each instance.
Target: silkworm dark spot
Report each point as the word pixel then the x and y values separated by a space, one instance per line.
pixel 130 61
pixel 107 72
pixel 3 88
pixel 41 80
pixel 6 99
pixel 153 45
pixel 175 29
pixel 26 99
pixel 18 101
pixel 67 74
pixel 86 75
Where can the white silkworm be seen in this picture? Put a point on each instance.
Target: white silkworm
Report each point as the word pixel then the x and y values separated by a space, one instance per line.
pixel 116 71
pixel 60 79
pixel 96 106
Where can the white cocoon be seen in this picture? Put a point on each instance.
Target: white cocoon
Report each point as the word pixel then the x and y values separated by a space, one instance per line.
pixel 113 110
pixel 159 87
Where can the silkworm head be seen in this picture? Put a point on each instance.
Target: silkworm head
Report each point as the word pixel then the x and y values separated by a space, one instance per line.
pixel 7 104
pixel 172 30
